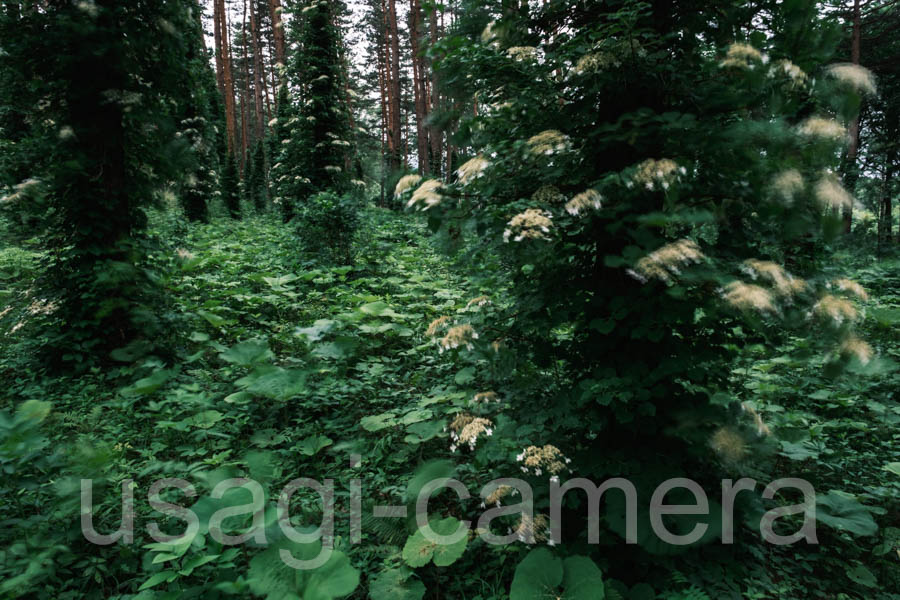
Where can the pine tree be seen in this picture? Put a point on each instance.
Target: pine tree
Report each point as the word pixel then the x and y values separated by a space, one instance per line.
pixel 199 110
pixel 279 138
pixel 318 151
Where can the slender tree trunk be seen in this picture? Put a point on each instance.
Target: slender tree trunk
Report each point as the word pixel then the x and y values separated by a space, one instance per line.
pixel 396 133
pixel 217 33
pixel 245 97
pixel 228 78
pixel 418 63
pixel 382 86
pixel 885 206
pixel 850 172
pixel 436 135
pixel 277 33
pixel 259 76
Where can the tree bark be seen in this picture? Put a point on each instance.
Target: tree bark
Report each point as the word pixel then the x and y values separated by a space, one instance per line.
pixel 418 63
pixel 259 76
pixel 217 33
pixel 436 135
pixel 245 97
pixel 394 91
pixel 228 77
pixel 277 31
pixel 851 175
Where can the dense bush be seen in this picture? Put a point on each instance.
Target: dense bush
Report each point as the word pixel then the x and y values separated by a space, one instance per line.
pixel 656 201
pixel 328 224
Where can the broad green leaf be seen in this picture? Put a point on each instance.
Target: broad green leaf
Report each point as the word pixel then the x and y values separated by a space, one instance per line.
pixel 313 444
pixel 378 422
pixel 540 576
pixel 35 410
pixel 419 550
pixel 416 416
pixel 424 431
pixel 158 578
pixel 270 577
pixel 537 577
pixel 893 467
pixel 239 398
pixel 377 309
pixel 275 383
pixel 582 579
pixel 395 584
pixel 465 376
pixel 248 353
pixel 148 385
pixel 213 319
pixel 842 512
pixel 317 331
pixel 862 576
pixel 341 347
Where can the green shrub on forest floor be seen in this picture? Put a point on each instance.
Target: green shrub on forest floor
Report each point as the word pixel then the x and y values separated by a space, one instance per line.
pixel 328 225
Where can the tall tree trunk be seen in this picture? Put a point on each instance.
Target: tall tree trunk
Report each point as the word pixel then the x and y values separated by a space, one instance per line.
pixel 851 173
pixel 277 32
pixel 436 135
pixel 418 63
pixel 227 76
pixel 885 207
pixel 245 97
pixel 217 33
pixel 395 132
pixel 259 76
pixel 385 113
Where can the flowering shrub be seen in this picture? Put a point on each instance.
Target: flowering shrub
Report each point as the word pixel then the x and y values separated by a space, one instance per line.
pixel 654 207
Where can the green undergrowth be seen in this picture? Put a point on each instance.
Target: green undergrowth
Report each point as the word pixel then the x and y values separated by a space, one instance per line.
pixel 283 366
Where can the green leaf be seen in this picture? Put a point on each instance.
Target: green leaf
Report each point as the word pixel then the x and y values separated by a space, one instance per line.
pixel 465 376
pixel 317 331
pixel 862 576
pixel 394 584
pixel 34 410
pixel 279 284
pixel 537 577
pixel 339 348
pixel 893 467
pixel 313 444
pixel 275 383
pixel 269 576
pixel 239 398
pixel 147 385
pixel 422 432
pixel 213 319
pixel 582 579
pixel 158 578
pixel 540 575
pixel 842 512
pixel 249 353
pixel 378 422
pixel 207 418
pixel 419 550
pixel 416 416
pixel 378 309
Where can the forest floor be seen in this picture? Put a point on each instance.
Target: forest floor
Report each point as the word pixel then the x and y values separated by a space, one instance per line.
pixel 289 368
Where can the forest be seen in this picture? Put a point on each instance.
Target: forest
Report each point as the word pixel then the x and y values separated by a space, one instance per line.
pixel 450 299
